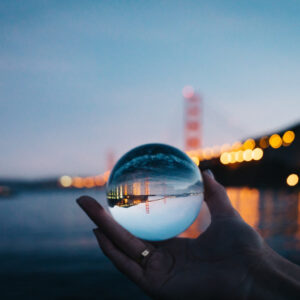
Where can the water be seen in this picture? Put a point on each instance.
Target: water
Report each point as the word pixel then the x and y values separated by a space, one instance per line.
pixel 275 214
pixel 155 191
pixel 48 250
pixel 46 242
pixel 162 219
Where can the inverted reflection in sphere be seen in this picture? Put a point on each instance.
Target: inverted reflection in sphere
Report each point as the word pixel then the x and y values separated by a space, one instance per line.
pixel 155 191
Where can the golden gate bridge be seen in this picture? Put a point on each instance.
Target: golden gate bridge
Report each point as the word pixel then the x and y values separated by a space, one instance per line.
pixel 277 151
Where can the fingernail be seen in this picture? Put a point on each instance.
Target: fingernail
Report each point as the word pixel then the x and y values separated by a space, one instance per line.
pixel 80 200
pixel 210 173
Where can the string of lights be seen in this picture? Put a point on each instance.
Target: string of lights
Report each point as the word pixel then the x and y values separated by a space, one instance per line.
pixel 238 152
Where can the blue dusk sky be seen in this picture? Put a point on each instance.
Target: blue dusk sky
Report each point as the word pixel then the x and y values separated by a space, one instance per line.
pixel 78 78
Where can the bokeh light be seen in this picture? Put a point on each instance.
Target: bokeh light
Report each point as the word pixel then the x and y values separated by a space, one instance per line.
pixel 88 182
pixel 239 156
pixel 225 158
pixel 257 153
pixel 275 141
pixel 237 146
pixel 232 157
pixel 99 180
pixel 292 179
pixel 65 181
pixel 288 137
pixel 77 182
pixel 264 142
pixel 247 155
pixel 249 144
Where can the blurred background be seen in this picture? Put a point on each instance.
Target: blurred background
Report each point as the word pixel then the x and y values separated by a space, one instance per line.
pixel 83 82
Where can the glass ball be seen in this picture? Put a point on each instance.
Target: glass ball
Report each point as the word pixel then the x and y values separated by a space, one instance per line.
pixel 155 191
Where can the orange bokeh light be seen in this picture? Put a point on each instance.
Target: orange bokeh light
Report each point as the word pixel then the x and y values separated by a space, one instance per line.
pixel 249 144
pixel 99 180
pixel 88 182
pixel 77 182
pixel 275 141
pixel 225 147
pixel 264 142
pixel 236 146
pixel 288 137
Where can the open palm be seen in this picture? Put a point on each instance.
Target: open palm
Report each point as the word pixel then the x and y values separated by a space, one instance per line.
pixel 215 264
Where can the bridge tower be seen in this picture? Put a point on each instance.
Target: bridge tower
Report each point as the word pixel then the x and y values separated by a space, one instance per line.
pixel 147 193
pixel 110 159
pixel 192 119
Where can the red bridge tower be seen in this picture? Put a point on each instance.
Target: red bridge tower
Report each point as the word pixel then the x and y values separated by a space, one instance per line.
pixel 192 122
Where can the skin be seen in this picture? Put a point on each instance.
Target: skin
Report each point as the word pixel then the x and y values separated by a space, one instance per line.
pixel 230 260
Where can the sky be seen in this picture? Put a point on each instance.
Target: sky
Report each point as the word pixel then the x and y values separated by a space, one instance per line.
pixel 79 79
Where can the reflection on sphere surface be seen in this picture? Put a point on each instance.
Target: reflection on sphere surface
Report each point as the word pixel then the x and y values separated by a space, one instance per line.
pixel 155 191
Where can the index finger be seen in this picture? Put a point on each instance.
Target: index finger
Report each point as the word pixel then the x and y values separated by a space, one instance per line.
pixel 216 198
pixel 123 239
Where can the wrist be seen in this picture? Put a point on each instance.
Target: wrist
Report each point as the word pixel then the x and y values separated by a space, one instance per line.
pixel 272 277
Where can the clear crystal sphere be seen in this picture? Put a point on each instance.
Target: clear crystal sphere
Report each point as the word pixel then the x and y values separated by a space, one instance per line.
pixel 155 191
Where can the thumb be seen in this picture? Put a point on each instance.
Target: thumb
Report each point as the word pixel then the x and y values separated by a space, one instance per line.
pixel 216 197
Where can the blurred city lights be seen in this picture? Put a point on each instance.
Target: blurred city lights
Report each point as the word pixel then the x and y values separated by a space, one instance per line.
pixel 106 175
pixel 288 137
pixel 249 144
pixel 225 158
pixel 257 153
pixel 247 155
pixel 237 152
pixel 292 179
pixel 264 142
pixel 239 156
pixel 88 182
pixel 65 181
pixel 232 157
pixel 99 180
pixel 77 182
pixel 237 145
pixel 84 182
pixel 275 141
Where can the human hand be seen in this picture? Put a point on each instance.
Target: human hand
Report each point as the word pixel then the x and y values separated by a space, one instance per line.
pixel 216 264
